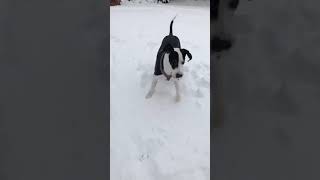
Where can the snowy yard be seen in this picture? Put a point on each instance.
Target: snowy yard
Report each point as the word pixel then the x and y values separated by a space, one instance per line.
pixel 157 138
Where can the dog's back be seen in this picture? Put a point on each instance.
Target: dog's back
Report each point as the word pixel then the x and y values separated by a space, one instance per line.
pixel 172 40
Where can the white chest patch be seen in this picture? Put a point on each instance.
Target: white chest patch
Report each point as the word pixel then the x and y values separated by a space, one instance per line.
pixel 167 66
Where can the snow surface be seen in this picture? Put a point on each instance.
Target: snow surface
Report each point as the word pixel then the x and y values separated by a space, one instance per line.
pixel 157 138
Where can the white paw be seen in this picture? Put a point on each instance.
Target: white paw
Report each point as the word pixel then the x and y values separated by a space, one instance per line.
pixel 178 98
pixel 149 95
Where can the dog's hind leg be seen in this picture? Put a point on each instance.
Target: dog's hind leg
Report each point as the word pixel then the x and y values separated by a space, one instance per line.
pixel 153 87
pixel 176 84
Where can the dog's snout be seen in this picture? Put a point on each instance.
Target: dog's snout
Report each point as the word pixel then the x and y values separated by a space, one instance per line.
pixel 178 75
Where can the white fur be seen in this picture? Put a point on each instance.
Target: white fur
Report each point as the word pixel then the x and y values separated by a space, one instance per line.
pixel 177 86
pixel 167 66
pixel 153 86
pixel 180 67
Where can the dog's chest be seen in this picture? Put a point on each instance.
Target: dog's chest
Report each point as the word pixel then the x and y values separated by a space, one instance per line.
pixel 166 65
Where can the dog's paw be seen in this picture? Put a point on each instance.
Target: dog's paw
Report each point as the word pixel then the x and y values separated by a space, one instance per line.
pixel 178 99
pixel 149 95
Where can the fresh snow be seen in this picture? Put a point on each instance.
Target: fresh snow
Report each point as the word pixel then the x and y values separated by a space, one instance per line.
pixel 157 138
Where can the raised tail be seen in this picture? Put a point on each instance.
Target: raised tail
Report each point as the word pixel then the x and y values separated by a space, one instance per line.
pixel 171 25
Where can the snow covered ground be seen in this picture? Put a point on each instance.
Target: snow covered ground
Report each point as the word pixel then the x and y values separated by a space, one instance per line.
pixel 157 138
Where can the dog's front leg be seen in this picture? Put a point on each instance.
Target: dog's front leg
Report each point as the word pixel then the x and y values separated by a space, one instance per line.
pixel 153 87
pixel 176 84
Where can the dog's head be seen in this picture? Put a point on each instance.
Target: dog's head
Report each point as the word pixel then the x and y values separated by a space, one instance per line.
pixel 177 58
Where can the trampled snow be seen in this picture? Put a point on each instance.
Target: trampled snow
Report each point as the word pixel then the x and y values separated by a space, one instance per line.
pixel 157 138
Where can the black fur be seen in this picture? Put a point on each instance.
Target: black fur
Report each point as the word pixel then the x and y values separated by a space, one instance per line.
pixel 184 53
pixel 179 75
pixel 170 33
pixel 174 59
pixel 173 56
pixel 168 48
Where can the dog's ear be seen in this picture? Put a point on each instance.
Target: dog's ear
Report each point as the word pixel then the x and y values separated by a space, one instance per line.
pixel 174 59
pixel 186 52
pixel 168 48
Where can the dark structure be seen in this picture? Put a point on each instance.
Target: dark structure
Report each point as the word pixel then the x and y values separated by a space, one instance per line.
pixel 115 2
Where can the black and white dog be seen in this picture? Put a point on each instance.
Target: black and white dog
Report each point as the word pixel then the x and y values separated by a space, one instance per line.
pixel 169 62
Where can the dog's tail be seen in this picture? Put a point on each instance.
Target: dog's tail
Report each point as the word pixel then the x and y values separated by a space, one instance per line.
pixel 171 25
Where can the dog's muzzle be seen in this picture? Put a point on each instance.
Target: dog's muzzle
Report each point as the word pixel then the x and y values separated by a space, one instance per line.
pixel 178 75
